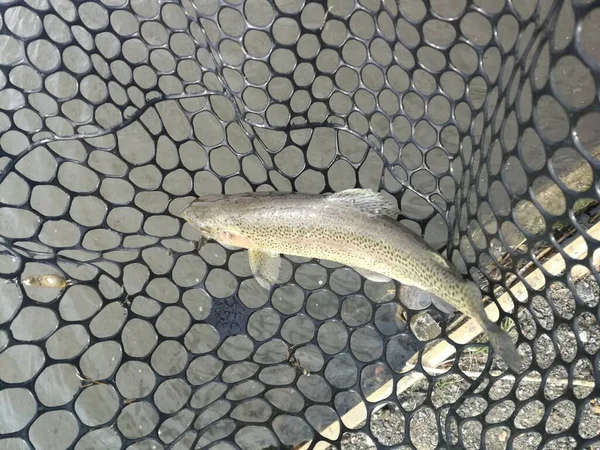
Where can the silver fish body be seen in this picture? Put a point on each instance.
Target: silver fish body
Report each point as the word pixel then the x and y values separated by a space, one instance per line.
pixel 354 228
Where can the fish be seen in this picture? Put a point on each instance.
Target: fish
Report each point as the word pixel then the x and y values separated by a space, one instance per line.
pixel 354 227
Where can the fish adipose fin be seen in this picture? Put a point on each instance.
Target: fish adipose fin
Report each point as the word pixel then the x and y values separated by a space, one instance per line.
pixel 265 267
pixel 372 276
pixel 503 345
pixel 366 201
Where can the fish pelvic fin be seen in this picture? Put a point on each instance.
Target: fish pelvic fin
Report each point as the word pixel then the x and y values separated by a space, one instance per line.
pixel 503 346
pixel 365 201
pixel 265 267
pixel 372 276
pixel 441 261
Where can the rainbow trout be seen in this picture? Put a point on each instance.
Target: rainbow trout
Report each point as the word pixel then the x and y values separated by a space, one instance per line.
pixel 355 228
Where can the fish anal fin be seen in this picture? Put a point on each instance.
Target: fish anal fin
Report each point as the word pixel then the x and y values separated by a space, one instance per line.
pixel 265 267
pixel 365 201
pixel 372 276
pixel 421 298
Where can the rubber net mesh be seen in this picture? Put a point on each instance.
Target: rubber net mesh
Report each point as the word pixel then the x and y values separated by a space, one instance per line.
pixel 480 117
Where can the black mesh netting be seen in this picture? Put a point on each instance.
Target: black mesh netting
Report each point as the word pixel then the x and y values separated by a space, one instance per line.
pixel 481 118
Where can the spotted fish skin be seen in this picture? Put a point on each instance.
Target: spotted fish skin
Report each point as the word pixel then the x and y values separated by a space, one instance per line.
pixel 354 228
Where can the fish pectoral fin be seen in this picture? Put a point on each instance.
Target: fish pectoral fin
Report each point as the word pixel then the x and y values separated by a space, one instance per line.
pixel 372 276
pixel 265 267
pixel 366 201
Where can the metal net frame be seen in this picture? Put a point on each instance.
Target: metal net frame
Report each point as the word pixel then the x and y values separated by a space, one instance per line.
pixel 481 118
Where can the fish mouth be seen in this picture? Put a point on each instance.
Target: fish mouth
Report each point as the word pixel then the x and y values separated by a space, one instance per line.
pixel 186 207
pixel 201 201
pixel 185 213
pixel 208 198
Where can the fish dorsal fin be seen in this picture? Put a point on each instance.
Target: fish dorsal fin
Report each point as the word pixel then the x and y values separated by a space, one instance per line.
pixel 366 201
pixel 265 267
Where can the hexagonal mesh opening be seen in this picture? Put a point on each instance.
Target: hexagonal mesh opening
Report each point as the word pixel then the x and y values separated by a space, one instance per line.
pixel 480 118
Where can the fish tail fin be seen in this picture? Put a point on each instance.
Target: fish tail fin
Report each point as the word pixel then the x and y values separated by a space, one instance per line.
pixel 503 345
pixel 499 339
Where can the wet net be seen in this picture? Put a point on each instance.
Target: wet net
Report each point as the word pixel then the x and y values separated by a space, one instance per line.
pixel 481 118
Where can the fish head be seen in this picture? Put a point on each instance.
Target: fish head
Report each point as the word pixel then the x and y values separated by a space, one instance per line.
pixel 215 218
